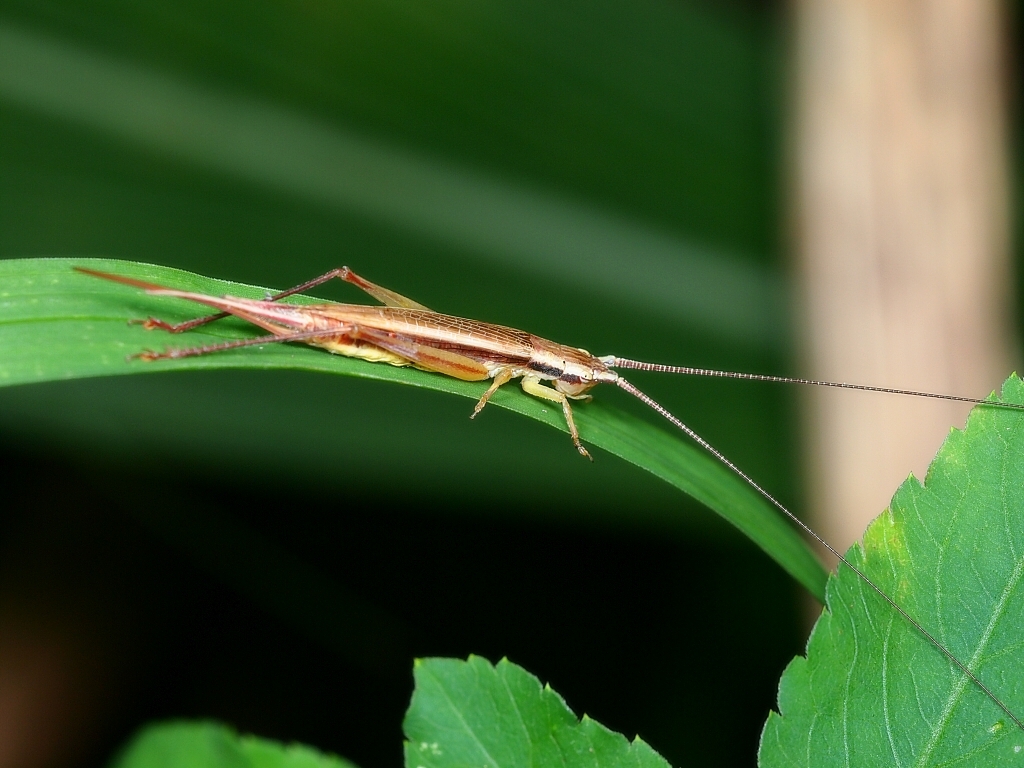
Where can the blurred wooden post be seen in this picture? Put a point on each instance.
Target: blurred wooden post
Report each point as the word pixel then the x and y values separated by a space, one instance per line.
pixel 901 233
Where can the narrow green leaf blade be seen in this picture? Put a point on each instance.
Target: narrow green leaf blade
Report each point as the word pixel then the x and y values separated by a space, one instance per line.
pixel 872 690
pixel 212 745
pixel 59 324
pixel 500 716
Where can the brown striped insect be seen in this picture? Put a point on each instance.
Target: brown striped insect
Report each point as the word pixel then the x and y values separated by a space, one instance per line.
pixel 403 332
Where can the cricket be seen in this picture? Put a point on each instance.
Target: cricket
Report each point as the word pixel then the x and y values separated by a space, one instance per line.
pixel 403 332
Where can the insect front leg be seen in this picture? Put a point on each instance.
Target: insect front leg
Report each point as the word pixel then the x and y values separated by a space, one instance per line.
pixel 533 386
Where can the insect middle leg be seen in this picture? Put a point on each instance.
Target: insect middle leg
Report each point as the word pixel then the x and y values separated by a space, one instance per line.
pixel 533 386
pixel 502 377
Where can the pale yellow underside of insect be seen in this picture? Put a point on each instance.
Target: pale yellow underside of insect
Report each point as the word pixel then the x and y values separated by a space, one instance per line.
pixel 366 352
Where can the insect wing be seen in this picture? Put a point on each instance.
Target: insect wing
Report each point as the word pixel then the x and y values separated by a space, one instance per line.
pixel 424 356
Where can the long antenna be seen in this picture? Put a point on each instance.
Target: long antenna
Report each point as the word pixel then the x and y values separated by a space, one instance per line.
pixel 621 362
pixel 807 529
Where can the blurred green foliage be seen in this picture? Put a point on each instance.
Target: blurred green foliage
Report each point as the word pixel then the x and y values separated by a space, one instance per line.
pixel 605 175
pixel 209 745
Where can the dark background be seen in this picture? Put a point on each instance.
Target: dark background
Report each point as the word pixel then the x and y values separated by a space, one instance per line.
pixel 273 549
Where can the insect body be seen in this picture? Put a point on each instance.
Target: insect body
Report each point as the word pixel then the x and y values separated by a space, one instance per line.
pixel 406 333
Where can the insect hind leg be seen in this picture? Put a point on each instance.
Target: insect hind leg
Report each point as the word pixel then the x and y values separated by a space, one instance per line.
pixel 277 338
pixel 383 295
pixel 152 323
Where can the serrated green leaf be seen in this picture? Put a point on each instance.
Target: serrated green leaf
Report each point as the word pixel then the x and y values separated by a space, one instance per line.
pixel 59 324
pixel 872 690
pixel 473 713
pixel 212 745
